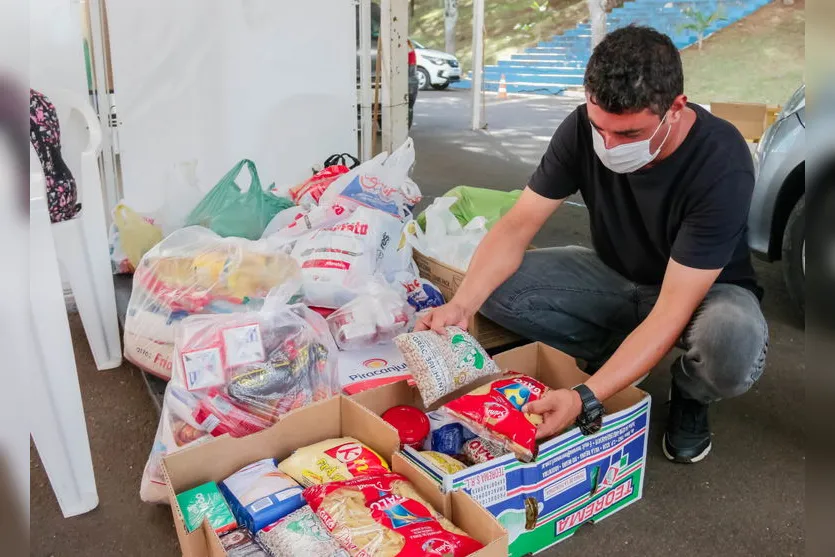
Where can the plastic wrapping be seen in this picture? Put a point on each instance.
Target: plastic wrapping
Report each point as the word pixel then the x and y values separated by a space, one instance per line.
pixel 444 238
pixel 206 502
pixel 474 202
pixel 375 316
pixel 332 460
pixel 446 434
pixel 445 462
pixel 478 451
pixel 441 364
pixel 240 543
pixel 384 516
pixel 300 534
pixel 420 293
pixel 494 412
pixel 194 271
pixel 238 373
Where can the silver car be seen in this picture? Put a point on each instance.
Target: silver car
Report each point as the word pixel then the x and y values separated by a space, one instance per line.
pixel 777 220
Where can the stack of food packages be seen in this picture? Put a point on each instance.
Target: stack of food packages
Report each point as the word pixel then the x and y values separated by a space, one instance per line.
pixel 333 498
pixel 246 330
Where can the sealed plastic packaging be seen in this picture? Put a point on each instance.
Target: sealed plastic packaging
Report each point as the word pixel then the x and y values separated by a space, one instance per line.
pixel 332 460
pixel 195 271
pixel 240 543
pixel 441 364
pixel 237 374
pixel 375 316
pixel 384 516
pixel 494 412
pixel 300 533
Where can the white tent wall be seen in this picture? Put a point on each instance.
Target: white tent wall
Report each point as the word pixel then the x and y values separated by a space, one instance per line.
pixel 215 81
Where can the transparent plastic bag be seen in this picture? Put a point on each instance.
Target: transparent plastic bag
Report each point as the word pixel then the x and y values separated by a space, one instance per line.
pixel 444 238
pixel 237 374
pixel 195 271
pixel 375 316
pixel 474 202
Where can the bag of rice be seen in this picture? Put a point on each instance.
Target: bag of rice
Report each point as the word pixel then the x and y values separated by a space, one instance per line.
pixel 494 411
pixel 240 543
pixel 332 460
pixel 445 462
pixel 300 533
pixel 384 516
pixel 442 364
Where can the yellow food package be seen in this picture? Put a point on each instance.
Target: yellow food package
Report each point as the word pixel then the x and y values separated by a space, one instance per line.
pixel 444 462
pixel 332 461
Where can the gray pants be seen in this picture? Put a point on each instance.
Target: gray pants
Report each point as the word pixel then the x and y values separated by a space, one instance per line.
pixel 568 298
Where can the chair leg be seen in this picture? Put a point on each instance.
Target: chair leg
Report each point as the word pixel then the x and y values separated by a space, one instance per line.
pixel 73 255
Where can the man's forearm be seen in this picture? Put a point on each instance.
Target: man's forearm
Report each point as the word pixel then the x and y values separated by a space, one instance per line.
pixel 498 256
pixel 637 355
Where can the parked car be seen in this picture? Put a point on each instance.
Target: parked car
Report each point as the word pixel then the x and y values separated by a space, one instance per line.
pixel 435 68
pixel 412 62
pixel 777 220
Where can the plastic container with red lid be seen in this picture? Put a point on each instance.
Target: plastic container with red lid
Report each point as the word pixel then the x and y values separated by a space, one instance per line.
pixel 410 423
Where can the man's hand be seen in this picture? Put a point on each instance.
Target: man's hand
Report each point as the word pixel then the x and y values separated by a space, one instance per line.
pixel 559 409
pixel 438 318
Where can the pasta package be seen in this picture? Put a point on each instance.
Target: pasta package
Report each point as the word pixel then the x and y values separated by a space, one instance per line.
pixel 332 461
pixel 443 461
pixel 440 364
pixel 300 533
pixel 384 516
pixel 494 411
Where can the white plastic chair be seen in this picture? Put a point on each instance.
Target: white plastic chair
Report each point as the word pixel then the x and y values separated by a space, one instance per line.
pixel 81 242
pixel 57 421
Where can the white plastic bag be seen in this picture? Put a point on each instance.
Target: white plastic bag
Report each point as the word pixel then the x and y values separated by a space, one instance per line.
pixel 237 374
pixel 195 271
pixel 444 238
pixel 375 316
pixel 382 183
pixel 337 261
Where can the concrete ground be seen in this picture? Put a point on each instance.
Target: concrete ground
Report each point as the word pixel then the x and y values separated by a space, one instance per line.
pixel 746 498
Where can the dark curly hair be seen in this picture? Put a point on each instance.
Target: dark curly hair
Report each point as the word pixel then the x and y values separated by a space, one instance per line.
pixel 634 68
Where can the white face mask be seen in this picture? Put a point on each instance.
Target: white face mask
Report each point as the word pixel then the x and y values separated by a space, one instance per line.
pixel 628 157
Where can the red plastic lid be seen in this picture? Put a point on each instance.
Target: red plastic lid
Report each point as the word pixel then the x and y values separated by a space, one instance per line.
pixel 411 423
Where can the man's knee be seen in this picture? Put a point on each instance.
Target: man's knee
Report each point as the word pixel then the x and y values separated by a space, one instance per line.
pixel 726 349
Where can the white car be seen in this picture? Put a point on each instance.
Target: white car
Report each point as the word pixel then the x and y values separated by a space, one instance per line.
pixel 435 69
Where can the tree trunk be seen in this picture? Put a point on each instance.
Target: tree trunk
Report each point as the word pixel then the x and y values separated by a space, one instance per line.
pixel 450 18
pixel 597 19
pixel 701 40
pixel 411 9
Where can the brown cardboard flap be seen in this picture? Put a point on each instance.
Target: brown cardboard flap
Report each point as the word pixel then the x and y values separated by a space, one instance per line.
pixel 480 524
pixel 361 423
pixel 379 399
pixel 749 118
pixel 428 488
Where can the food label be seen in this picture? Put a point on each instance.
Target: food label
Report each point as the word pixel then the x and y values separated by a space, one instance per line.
pixel 357 458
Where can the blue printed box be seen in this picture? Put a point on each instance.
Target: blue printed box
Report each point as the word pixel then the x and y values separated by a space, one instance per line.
pixel 574 480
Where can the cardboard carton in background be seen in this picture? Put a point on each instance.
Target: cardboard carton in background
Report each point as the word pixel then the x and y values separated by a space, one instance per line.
pixel 448 279
pixel 574 480
pixel 217 459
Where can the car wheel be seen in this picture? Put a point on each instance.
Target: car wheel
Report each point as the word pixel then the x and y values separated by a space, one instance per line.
pixel 794 254
pixel 440 87
pixel 423 79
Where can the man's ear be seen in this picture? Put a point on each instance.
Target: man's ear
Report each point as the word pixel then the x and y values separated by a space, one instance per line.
pixel 679 104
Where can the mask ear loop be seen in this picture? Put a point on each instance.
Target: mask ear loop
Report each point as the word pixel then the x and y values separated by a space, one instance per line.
pixel 669 129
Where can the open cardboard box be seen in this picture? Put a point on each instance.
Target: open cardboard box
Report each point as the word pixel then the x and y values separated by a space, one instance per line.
pixel 448 279
pixel 575 479
pixel 217 459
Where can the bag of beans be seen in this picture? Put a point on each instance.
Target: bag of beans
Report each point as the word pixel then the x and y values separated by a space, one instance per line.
pixel 440 364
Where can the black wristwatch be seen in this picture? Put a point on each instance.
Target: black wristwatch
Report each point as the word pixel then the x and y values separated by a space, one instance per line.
pixel 591 418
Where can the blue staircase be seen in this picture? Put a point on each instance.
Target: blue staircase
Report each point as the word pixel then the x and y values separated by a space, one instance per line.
pixel 552 66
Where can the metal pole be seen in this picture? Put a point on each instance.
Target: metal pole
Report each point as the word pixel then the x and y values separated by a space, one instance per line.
pixel 478 63
pixel 394 34
pixel 367 133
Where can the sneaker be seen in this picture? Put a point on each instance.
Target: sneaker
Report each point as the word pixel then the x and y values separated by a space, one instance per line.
pixel 687 438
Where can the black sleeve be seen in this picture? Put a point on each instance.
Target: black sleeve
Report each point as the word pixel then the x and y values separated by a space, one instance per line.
pixel 555 177
pixel 715 224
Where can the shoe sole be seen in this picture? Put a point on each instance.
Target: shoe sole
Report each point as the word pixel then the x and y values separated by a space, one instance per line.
pixel 684 460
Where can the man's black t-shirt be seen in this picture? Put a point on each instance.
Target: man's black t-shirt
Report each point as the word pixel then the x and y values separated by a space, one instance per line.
pixel 691 206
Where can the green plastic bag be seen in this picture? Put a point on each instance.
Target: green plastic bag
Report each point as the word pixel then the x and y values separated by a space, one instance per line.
pixel 478 202
pixel 230 212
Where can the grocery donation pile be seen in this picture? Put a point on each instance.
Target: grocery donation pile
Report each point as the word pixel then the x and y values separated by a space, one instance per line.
pixel 267 302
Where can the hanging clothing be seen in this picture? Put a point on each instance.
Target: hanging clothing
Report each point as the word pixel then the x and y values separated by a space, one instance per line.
pixel 45 135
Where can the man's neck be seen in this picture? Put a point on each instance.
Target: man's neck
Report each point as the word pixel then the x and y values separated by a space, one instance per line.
pixel 678 134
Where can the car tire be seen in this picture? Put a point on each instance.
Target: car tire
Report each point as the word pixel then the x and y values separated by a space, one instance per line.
pixel 794 254
pixel 423 79
pixel 440 87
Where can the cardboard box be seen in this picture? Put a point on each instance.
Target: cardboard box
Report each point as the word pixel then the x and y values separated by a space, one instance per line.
pixel 574 480
pixel 336 417
pixel 751 119
pixel 448 279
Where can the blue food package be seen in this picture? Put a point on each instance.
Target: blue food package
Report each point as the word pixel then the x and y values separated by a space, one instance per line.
pixel 446 434
pixel 259 494
pixel 425 295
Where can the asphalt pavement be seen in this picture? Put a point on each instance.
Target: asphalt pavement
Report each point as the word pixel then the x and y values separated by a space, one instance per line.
pixel 746 498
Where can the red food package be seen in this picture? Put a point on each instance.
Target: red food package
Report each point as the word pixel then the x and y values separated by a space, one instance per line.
pixel 315 186
pixel 494 411
pixel 218 415
pixel 384 515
